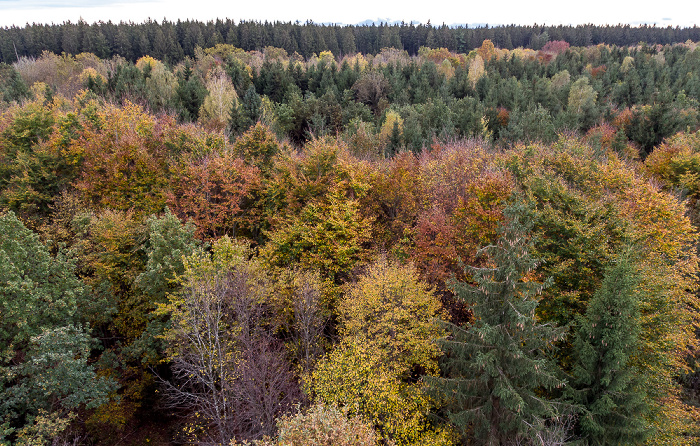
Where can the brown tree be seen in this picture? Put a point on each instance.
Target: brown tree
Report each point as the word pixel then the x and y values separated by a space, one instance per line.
pixel 370 88
pixel 228 370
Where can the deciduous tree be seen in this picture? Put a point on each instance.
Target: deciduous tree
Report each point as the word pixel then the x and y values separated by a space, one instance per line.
pixel 387 331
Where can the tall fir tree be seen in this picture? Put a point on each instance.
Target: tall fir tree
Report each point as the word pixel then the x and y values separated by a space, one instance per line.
pixel 191 92
pixel 495 368
pixel 246 113
pixel 605 386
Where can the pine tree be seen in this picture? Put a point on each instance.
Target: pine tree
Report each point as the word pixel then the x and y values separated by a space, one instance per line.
pixel 246 113
pixel 495 368
pixel 395 139
pixel 252 105
pixel 606 387
pixel 191 92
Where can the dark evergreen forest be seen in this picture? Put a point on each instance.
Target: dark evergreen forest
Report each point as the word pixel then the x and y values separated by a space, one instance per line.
pixel 172 41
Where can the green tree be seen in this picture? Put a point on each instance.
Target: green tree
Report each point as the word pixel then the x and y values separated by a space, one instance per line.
pixel 246 112
pixel 12 86
pixel 605 385
pixel 43 347
pixel 328 236
pixel 36 290
pixel 495 368
pixel 191 92
pixel 582 103
pixel 168 243
pixel 535 124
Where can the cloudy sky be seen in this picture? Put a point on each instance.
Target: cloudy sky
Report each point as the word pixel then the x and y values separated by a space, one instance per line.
pixel 663 13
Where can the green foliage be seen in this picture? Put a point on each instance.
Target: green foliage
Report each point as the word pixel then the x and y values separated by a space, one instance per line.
pixel 168 242
pixel 650 124
pixel 37 170
pixel 530 125
pixel 607 389
pixel 589 207
pixel 328 236
pixel 247 112
pixel 44 349
pixel 313 207
pixel 191 92
pixel 94 173
pixel 36 289
pixel 495 370
pixel 46 429
pixel 56 375
pixel 12 86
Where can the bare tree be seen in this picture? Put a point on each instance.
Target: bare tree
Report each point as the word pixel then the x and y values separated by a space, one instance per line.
pixel 264 389
pixel 556 431
pixel 203 354
pixel 227 369
pixel 309 319
pixel 371 87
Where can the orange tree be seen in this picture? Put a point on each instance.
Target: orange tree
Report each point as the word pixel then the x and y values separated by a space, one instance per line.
pixel 124 162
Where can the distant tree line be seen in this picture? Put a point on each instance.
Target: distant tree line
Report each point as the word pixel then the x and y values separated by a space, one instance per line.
pixel 172 41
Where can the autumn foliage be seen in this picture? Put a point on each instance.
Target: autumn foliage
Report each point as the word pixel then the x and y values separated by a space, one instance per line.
pixel 250 246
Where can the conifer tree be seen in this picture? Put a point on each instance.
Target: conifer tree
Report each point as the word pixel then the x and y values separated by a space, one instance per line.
pixel 246 113
pixel 191 92
pixel 606 387
pixel 495 367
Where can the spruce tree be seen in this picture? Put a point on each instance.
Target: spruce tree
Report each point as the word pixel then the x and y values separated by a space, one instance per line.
pixel 191 92
pixel 246 113
pixel 605 386
pixel 495 368
pixel 395 140
pixel 252 105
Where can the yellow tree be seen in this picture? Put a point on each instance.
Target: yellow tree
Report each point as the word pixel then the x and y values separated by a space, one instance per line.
pixel 216 109
pixel 487 50
pixel 476 70
pixel 387 331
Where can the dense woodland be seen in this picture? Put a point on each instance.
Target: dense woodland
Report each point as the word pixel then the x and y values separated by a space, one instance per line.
pixel 173 41
pixel 230 234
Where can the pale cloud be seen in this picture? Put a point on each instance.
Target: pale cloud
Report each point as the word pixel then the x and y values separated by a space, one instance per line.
pixel 33 4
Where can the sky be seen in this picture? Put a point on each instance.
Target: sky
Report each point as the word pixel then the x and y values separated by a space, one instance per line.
pixel 452 12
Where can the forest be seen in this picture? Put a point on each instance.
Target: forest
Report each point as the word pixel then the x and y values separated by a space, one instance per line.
pixel 299 234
